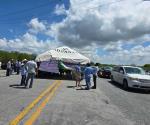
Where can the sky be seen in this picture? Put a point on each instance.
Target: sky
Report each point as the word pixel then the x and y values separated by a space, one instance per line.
pixel 106 31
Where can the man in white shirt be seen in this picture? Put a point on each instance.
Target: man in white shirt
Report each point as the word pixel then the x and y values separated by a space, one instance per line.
pixel 8 69
pixel 31 72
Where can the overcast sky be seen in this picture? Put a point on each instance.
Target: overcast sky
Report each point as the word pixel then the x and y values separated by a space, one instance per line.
pixel 106 31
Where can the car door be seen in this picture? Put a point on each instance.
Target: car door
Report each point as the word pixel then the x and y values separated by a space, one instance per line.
pixel 121 75
pixel 115 74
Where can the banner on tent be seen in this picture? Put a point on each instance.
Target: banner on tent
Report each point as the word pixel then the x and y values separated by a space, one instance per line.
pixel 49 66
pixel 52 66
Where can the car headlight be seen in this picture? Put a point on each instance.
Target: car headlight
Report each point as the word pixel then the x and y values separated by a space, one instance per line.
pixel 134 79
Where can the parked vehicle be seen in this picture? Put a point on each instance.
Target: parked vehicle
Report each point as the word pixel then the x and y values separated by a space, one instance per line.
pixel 3 65
pixel 148 72
pixel 130 76
pixel 105 72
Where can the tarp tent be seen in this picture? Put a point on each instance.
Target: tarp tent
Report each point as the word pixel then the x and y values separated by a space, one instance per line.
pixel 63 53
pixel 49 60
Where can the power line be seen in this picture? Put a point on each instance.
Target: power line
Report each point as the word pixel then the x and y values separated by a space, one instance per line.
pixel 44 15
pixel 27 17
pixel 28 9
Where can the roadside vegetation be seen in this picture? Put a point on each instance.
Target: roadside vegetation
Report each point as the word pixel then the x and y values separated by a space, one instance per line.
pixel 146 67
pixel 5 56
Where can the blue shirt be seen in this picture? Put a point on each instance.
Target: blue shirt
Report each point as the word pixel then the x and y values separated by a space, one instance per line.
pixel 23 70
pixel 95 70
pixel 77 69
pixel 18 64
pixel 88 72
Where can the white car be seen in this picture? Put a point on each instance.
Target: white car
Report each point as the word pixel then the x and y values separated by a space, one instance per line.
pixel 130 76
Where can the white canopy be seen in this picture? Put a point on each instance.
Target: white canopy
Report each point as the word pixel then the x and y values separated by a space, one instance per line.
pixel 63 53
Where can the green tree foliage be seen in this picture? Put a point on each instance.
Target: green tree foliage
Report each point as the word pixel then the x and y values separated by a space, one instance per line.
pixel 102 65
pixel 5 56
pixel 105 65
pixel 147 67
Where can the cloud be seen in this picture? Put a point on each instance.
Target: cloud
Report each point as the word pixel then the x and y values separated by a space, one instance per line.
pixel 98 29
pixel 27 43
pixel 36 26
pixel 60 10
pixel 113 47
pixel 138 55
pixel 108 25
pixel 90 52
pixel 87 24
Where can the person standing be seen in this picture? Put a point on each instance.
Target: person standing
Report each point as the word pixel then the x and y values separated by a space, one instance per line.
pixel 8 69
pixel 31 72
pixel 77 75
pixel 18 65
pixel 95 70
pixel 23 72
pixel 61 68
pixel 12 66
pixel 88 74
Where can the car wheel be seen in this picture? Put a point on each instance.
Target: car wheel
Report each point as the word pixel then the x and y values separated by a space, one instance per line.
pixel 125 85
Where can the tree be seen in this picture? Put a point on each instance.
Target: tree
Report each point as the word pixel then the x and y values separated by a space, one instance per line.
pixel 5 56
pixel 147 67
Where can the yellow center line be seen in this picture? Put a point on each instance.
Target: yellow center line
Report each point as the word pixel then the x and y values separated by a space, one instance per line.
pixel 36 114
pixel 22 114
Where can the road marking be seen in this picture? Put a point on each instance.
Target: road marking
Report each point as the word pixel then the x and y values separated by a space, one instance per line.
pixel 36 114
pixel 22 114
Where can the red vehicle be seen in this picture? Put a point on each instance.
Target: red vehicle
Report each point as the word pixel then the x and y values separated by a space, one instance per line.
pixel 105 72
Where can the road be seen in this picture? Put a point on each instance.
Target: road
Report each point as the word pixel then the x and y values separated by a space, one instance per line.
pixel 134 104
pixel 66 105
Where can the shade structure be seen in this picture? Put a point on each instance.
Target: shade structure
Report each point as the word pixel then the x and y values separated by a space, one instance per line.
pixel 64 54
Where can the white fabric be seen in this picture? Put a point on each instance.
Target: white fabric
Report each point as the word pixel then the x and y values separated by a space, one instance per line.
pixel 8 65
pixel 63 53
pixel 31 66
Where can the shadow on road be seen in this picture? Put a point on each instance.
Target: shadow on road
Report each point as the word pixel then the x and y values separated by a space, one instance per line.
pixel 17 86
pixel 74 86
pixel 3 76
pixel 131 90
pixel 71 86
pixel 54 77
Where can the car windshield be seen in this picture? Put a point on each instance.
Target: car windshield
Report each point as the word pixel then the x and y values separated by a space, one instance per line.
pixel 108 68
pixel 134 70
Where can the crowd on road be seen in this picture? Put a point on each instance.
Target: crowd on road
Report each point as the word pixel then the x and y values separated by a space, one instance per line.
pixel 27 69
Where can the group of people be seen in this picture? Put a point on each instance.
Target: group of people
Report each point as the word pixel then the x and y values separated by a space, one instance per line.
pixel 13 67
pixel 88 73
pixel 28 70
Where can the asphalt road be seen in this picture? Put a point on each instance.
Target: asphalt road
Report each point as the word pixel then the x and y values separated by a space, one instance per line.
pixel 134 103
pixel 66 105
